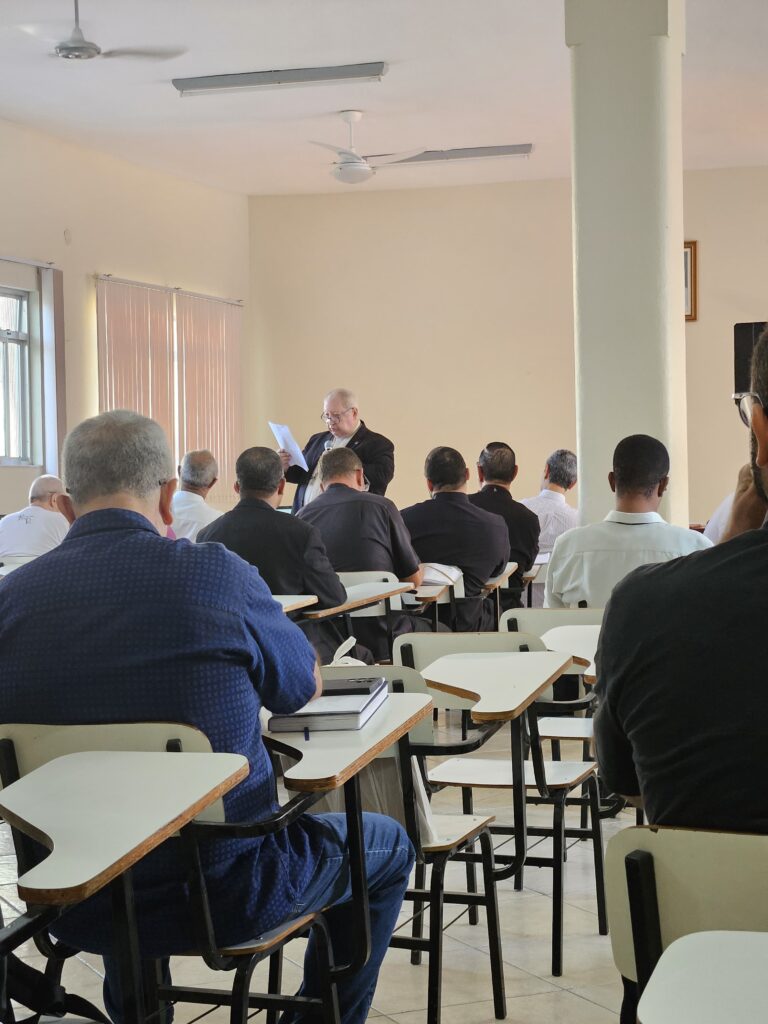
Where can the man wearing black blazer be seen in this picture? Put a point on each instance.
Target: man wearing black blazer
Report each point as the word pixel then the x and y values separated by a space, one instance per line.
pixel 496 469
pixel 345 429
pixel 289 554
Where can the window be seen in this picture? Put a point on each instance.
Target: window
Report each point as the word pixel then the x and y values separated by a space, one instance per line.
pixel 174 356
pixel 15 399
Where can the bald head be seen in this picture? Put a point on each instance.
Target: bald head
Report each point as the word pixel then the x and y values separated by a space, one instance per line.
pixel 198 472
pixel 44 490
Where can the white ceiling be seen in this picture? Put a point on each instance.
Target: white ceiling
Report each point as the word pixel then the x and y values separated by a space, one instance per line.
pixel 461 73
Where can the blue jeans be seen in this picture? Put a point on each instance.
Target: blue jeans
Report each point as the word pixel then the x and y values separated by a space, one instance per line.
pixel 389 858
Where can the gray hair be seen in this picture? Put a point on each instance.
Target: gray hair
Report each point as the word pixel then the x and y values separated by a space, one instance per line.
pixel 562 468
pixel 345 396
pixel 44 487
pixel 199 468
pixel 116 451
pixel 337 462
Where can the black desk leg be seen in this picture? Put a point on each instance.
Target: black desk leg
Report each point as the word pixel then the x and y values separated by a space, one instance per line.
pixel 358 880
pixel 530 594
pixel 126 949
pixel 517 861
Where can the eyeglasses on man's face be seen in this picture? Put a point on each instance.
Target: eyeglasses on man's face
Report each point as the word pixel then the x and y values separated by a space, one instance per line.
pixel 335 417
pixel 745 401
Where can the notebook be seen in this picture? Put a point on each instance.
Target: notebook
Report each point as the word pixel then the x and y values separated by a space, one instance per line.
pixel 345 711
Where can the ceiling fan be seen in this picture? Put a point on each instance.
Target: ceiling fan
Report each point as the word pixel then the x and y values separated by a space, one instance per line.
pixel 352 168
pixel 77 47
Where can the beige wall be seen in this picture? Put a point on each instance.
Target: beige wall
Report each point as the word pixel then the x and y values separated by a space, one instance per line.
pixel 726 212
pixel 123 220
pixel 450 310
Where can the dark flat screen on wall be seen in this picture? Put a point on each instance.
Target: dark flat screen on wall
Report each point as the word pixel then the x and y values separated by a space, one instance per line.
pixel 744 338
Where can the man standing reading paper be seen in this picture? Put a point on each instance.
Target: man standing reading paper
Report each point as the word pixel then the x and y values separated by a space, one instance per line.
pixel 345 429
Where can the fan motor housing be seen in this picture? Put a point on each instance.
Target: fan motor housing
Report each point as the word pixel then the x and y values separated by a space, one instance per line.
pixel 352 173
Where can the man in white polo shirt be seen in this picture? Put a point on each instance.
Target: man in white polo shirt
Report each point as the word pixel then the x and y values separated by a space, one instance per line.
pixel 198 472
pixel 37 528
pixel 589 561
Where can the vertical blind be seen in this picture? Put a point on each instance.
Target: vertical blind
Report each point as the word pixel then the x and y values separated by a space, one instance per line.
pixel 175 357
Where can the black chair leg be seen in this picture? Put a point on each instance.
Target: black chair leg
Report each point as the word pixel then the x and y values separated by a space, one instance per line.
pixel 417 924
pixel 494 932
pixel 555 750
pixel 558 848
pixel 466 806
pixel 639 816
pixel 238 1011
pixel 275 981
pixel 597 847
pixel 329 993
pixel 435 971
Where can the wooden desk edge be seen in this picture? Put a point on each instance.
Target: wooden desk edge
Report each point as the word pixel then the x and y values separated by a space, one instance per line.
pixel 488 716
pixel 77 893
pixel 335 781
pixel 350 606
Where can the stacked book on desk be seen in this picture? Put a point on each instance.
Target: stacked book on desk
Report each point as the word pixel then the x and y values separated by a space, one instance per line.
pixel 345 704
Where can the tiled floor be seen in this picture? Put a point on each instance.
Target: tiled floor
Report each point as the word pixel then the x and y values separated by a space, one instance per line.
pixel 589 991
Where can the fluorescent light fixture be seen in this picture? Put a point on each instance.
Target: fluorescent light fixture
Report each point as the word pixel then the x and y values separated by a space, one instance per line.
pixel 469 153
pixel 372 72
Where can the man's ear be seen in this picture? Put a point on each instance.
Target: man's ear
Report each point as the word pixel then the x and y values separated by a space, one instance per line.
pixel 663 485
pixel 64 505
pixel 466 474
pixel 517 470
pixel 480 474
pixel 546 471
pixel 430 486
pixel 612 481
pixel 760 430
pixel 212 484
pixel 281 487
pixel 237 487
pixel 167 491
pixel 360 479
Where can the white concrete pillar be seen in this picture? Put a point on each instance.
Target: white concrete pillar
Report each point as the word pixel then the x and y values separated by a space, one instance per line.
pixel 626 70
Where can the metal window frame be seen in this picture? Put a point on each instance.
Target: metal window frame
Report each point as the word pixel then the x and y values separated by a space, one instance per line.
pixel 21 338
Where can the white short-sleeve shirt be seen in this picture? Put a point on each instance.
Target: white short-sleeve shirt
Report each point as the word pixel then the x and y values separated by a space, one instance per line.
pixel 31 532
pixel 588 562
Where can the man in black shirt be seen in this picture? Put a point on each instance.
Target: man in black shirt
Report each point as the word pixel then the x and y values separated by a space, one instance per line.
pixel 682 725
pixel 450 530
pixel 496 469
pixel 288 553
pixel 362 531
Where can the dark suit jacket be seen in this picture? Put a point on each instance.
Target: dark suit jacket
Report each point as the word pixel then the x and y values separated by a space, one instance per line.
pixel 449 529
pixel 289 554
pixel 522 525
pixel 376 452
pixel 362 531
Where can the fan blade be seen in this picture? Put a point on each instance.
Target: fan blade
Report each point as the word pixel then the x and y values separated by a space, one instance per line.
pixel 350 154
pixel 392 158
pixel 150 53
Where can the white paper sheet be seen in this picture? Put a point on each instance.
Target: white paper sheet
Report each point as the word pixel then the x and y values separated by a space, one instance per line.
pixel 285 440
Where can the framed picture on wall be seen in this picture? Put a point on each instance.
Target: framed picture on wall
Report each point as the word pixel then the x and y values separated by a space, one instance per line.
pixel 691 281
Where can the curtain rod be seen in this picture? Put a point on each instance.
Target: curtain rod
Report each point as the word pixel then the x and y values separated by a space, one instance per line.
pixel 47 265
pixel 167 288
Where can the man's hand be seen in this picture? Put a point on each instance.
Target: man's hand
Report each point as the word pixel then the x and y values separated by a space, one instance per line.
pixel 749 507
pixel 285 458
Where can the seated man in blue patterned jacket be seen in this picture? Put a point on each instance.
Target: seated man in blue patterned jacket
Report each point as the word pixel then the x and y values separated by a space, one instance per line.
pixel 145 628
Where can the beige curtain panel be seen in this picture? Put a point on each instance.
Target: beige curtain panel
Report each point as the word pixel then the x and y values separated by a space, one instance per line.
pixel 175 357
